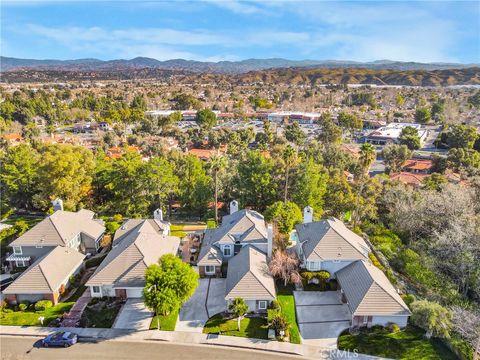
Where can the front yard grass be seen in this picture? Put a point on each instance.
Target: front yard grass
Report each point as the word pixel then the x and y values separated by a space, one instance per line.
pixel 250 327
pixel 100 313
pixel 177 230
pixel 31 317
pixel 287 304
pixel 408 344
pixel 167 323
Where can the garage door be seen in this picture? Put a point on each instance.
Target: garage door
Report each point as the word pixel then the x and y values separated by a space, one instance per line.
pixel 135 293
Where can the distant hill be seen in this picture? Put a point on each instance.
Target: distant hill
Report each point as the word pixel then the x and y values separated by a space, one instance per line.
pixel 221 67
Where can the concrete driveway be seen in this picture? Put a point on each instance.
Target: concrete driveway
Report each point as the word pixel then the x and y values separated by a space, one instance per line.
pixel 321 317
pixel 208 300
pixel 133 315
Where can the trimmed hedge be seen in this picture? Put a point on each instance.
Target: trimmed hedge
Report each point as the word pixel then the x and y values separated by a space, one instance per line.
pixel 43 305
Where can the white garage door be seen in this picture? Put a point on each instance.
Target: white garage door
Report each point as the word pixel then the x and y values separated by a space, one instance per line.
pixel 135 293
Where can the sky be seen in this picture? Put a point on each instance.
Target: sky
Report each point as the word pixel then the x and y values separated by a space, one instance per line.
pixel 210 30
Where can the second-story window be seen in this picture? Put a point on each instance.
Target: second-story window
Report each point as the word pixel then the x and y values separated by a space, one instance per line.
pixel 17 250
pixel 227 251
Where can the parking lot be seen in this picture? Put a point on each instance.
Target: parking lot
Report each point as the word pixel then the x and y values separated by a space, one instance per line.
pixel 321 317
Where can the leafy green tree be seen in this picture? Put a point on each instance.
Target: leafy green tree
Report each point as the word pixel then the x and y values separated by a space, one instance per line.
pixel 329 132
pixel 339 198
pixel 409 136
pixel 395 156
pixel 310 185
pixel 432 317
pixel 64 171
pixel 290 160
pixel 461 158
pixel 254 182
pixel 437 110
pixel 19 177
pixel 267 130
pixel 161 182
pixel 195 185
pixel 284 215
pixel 138 102
pixel 295 134
pixel 206 119
pixel 7 109
pixel 216 165
pixel 239 308
pixel 434 181
pixel 462 136
pixel 349 122
pixel 169 283
pixel 423 115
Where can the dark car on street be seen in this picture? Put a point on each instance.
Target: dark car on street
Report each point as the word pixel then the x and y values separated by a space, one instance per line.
pixel 61 338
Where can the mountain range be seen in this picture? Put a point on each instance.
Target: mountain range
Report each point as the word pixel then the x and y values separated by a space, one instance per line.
pixel 221 67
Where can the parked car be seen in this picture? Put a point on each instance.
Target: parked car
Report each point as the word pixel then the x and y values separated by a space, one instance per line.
pixel 61 338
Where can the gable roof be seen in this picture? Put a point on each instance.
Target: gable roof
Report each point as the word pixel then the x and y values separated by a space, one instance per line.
pixel 368 291
pixel 408 178
pixel 248 276
pixel 60 227
pixel 130 224
pixel 236 226
pixel 330 240
pixel 132 253
pixel 48 273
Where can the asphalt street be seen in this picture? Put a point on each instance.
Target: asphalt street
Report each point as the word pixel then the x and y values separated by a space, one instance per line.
pixel 22 348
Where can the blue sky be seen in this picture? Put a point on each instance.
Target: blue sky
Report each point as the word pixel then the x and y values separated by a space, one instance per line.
pixel 233 30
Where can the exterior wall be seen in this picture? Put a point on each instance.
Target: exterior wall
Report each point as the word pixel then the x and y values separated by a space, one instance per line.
pixel 401 321
pixel 253 305
pixel 35 252
pixel 89 244
pixel 329 265
pixel 105 290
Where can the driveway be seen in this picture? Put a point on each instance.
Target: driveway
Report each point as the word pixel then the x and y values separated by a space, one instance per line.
pixel 133 315
pixel 208 300
pixel 321 317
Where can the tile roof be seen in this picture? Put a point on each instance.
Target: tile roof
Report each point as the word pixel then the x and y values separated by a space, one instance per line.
pixel 60 227
pixel 368 291
pixel 133 252
pixel 408 178
pixel 420 165
pixel 330 240
pixel 48 273
pixel 248 276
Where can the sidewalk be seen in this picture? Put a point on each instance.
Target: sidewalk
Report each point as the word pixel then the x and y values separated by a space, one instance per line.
pixel 73 316
pixel 87 334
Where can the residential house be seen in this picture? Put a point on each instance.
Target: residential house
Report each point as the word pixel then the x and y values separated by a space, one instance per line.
pixel 47 278
pixel 240 228
pixel 248 278
pixel 408 178
pixel 136 245
pixel 417 166
pixel 243 244
pixel 328 244
pixel 370 296
pixel 76 230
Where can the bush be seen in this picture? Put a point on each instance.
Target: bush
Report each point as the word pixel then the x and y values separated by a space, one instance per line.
pixel 117 218
pixel 393 328
pixel 42 305
pixel 111 227
pixel 274 305
pixel 22 307
pixel 375 261
pixel 408 298
pixel 332 285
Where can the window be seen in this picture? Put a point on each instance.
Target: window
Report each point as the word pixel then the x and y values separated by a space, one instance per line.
pixel 17 250
pixel 227 250
pixel 262 305
pixel 96 289
pixel 209 269
pixel 20 263
pixel 314 265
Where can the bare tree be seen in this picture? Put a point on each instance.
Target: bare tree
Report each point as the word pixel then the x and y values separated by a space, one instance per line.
pixel 284 266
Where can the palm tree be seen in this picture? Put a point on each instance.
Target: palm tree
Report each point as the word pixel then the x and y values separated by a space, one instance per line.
pixel 367 156
pixel 216 164
pixel 290 158
pixel 239 308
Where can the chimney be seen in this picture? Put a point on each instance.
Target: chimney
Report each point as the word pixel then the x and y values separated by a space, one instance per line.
pixel 158 214
pixel 269 240
pixel 57 204
pixel 307 215
pixel 233 206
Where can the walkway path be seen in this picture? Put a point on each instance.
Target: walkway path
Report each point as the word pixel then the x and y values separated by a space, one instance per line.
pixel 73 316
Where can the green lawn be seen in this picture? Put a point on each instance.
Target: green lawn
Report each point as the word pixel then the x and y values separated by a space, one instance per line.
pixel 76 295
pixel 211 224
pixel 177 230
pixel 254 327
pixel 30 317
pixel 100 313
pixel 31 221
pixel 287 303
pixel 405 344
pixel 167 323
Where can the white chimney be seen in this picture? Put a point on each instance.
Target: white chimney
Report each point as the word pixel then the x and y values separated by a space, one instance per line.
pixel 269 240
pixel 158 214
pixel 307 215
pixel 57 204
pixel 233 206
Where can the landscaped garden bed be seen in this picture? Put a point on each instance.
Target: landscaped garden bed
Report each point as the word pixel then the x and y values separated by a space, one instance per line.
pixel 250 327
pixel 287 307
pixel 100 313
pixel 14 315
pixel 409 343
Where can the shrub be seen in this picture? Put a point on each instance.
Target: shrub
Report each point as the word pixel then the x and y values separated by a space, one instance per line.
pixel 393 328
pixel 271 314
pixel 3 304
pixel 111 227
pixel 117 218
pixel 332 285
pixel 42 305
pixel 274 305
pixel 375 261
pixel 22 307
pixel 408 298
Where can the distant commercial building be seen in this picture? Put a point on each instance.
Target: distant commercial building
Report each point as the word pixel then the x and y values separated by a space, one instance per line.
pixel 390 134
pixel 301 117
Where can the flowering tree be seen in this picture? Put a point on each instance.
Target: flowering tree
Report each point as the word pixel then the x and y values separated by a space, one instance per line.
pixel 284 266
